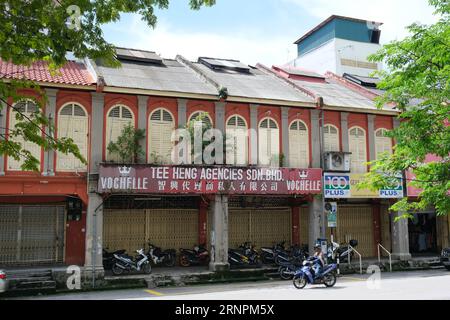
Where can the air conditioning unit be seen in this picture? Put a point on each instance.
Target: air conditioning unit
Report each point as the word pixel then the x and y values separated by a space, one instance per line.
pixel 337 161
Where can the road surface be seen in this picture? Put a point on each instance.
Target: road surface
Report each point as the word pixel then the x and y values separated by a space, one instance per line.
pixel 422 285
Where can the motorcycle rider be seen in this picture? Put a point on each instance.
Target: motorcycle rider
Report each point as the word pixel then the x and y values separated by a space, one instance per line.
pixel 319 262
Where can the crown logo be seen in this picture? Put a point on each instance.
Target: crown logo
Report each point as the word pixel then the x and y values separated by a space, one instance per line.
pixel 303 174
pixel 124 171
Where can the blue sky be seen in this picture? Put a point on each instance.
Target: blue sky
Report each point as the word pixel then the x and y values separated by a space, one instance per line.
pixel 255 30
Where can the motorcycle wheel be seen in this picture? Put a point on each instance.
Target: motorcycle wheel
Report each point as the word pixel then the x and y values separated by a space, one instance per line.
pixel 116 270
pixel 329 280
pixel 147 268
pixel 169 261
pixel 184 261
pixel 265 259
pixel 300 282
pixel 284 274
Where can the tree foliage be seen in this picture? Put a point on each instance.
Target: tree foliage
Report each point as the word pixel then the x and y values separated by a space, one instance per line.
pixel 417 82
pixel 46 30
pixel 127 147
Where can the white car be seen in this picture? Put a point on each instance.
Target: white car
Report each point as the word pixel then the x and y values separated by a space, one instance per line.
pixel 3 281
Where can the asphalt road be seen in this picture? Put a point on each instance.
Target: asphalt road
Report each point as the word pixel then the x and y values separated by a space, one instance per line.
pixel 422 285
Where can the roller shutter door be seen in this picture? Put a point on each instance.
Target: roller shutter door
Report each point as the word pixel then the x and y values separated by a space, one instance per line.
pixel 262 227
pixel 131 229
pixel 31 235
pixel 304 225
pixel 386 228
pixel 356 222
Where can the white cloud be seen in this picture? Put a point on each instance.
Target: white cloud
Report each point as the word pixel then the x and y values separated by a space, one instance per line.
pixel 253 45
pixel 395 14
pixel 249 46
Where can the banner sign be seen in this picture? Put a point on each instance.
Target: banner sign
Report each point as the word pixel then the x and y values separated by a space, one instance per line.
pixel 331 210
pixel 343 186
pixel 143 179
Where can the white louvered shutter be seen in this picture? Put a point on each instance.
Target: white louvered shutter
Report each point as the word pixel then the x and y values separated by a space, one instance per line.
pixel 237 141
pixel 269 143
pixel 298 145
pixel 331 139
pixel 118 118
pixel 73 123
pixel 206 120
pixel 26 107
pixel 160 146
pixel 358 148
pixel 383 143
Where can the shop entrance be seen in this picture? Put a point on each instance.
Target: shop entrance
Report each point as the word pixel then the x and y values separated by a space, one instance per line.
pixel 31 235
pixel 422 234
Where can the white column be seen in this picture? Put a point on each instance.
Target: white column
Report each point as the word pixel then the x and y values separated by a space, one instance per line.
pixel 50 113
pixel 219 234
pixel 142 123
pixel 254 134
pixel 400 238
pixel 344 132
pixel 285 135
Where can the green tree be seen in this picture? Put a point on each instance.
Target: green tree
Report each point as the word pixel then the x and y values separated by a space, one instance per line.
pixel 127 147
pixel 417 82
pixel 46 30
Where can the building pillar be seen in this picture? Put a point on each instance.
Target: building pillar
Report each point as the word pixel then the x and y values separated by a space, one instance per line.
pixel 285 135
pixel 344 132
pixel 182 112
pixel 316 222
pixel 295 225
pixel 376 215
pixel 50 113
pixel 220 116
pixel 315 139
pixel 254 134
pixel 98 103
pixel 3 113
pixel 400 238
pixel 371 136
pixel 94 235
pixel 142 123
pixel 202 223
pixel 219 234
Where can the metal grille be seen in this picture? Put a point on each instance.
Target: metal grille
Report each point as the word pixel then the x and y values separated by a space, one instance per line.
pixel 356 222
pixel 132 229
pixel 31 235
pixel 260 227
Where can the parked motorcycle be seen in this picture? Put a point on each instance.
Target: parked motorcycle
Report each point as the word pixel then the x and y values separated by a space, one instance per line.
pixel 287 270
pixel 198 256
pixel 245 256
pixel 342 251
pixel 158 256
pixel 268 254
pixel 108 258
pixel 124 263
pixel 306 275
pixel 294 255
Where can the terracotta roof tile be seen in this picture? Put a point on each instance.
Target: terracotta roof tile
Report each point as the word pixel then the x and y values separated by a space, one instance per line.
pixel 72 72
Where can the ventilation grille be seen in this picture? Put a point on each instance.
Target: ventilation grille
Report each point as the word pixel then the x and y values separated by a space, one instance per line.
pixel 268 124
pixel 121 112
pixel 298 125
pixel 236 121
pixel 161 115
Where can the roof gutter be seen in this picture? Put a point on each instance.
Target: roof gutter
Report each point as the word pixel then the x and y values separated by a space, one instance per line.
pixel 272 73
pixel 222 91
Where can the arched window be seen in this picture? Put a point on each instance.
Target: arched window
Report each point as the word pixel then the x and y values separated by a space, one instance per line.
pixel 196 115
pixel 28 108
pixel 358 148
pixel 73 123
pixel 298 145
pixel 161 125
pixel 118 118
pixel 268 143
pixel 237 141
pixel 383 143
pixel 331 138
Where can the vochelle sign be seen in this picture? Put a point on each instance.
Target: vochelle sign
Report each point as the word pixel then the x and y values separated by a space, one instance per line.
pixel 144 179
pixel 343 186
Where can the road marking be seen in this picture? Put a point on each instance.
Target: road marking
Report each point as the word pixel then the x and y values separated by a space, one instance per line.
pixel 154 293
pixel 353 279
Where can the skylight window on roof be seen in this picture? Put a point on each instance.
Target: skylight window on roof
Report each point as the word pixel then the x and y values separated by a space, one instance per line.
pixel 224 64
pixel 138 55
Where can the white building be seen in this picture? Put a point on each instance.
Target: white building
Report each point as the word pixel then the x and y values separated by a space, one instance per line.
pixel 340 45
